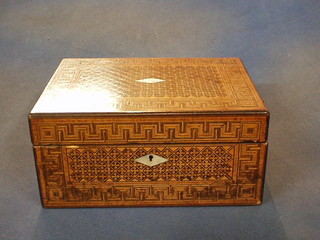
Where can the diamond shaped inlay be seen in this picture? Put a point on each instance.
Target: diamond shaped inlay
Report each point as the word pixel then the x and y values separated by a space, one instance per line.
pixel 151 160
pixel 150 80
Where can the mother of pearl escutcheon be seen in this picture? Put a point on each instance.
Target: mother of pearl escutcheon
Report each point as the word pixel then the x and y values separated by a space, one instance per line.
pixel 151 160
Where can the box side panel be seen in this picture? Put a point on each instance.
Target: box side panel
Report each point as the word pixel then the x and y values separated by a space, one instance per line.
pixel 109 176
pixel 136 129
pixel 43 180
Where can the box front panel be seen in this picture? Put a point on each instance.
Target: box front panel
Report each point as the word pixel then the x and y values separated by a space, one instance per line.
pixel 109 176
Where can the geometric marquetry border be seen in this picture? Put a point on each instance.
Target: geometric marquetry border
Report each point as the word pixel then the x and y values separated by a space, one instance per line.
pixel 148 129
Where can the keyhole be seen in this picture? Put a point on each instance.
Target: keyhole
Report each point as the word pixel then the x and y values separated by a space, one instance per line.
pixel 150 157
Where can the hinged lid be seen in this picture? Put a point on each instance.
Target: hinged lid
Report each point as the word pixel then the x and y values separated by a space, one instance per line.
pixel 143 101
pixel 140 85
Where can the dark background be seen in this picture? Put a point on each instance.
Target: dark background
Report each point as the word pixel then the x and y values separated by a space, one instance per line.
pixel 279 42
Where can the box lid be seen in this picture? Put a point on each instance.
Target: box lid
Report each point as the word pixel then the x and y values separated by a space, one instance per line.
pixel 150 85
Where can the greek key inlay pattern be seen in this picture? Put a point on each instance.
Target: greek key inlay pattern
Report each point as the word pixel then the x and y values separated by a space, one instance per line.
pixel 76 131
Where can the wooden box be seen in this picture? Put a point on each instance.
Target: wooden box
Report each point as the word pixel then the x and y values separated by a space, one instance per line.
pixel 150 132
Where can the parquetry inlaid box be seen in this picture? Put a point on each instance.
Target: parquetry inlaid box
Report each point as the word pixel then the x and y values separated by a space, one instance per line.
pixel 150 132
